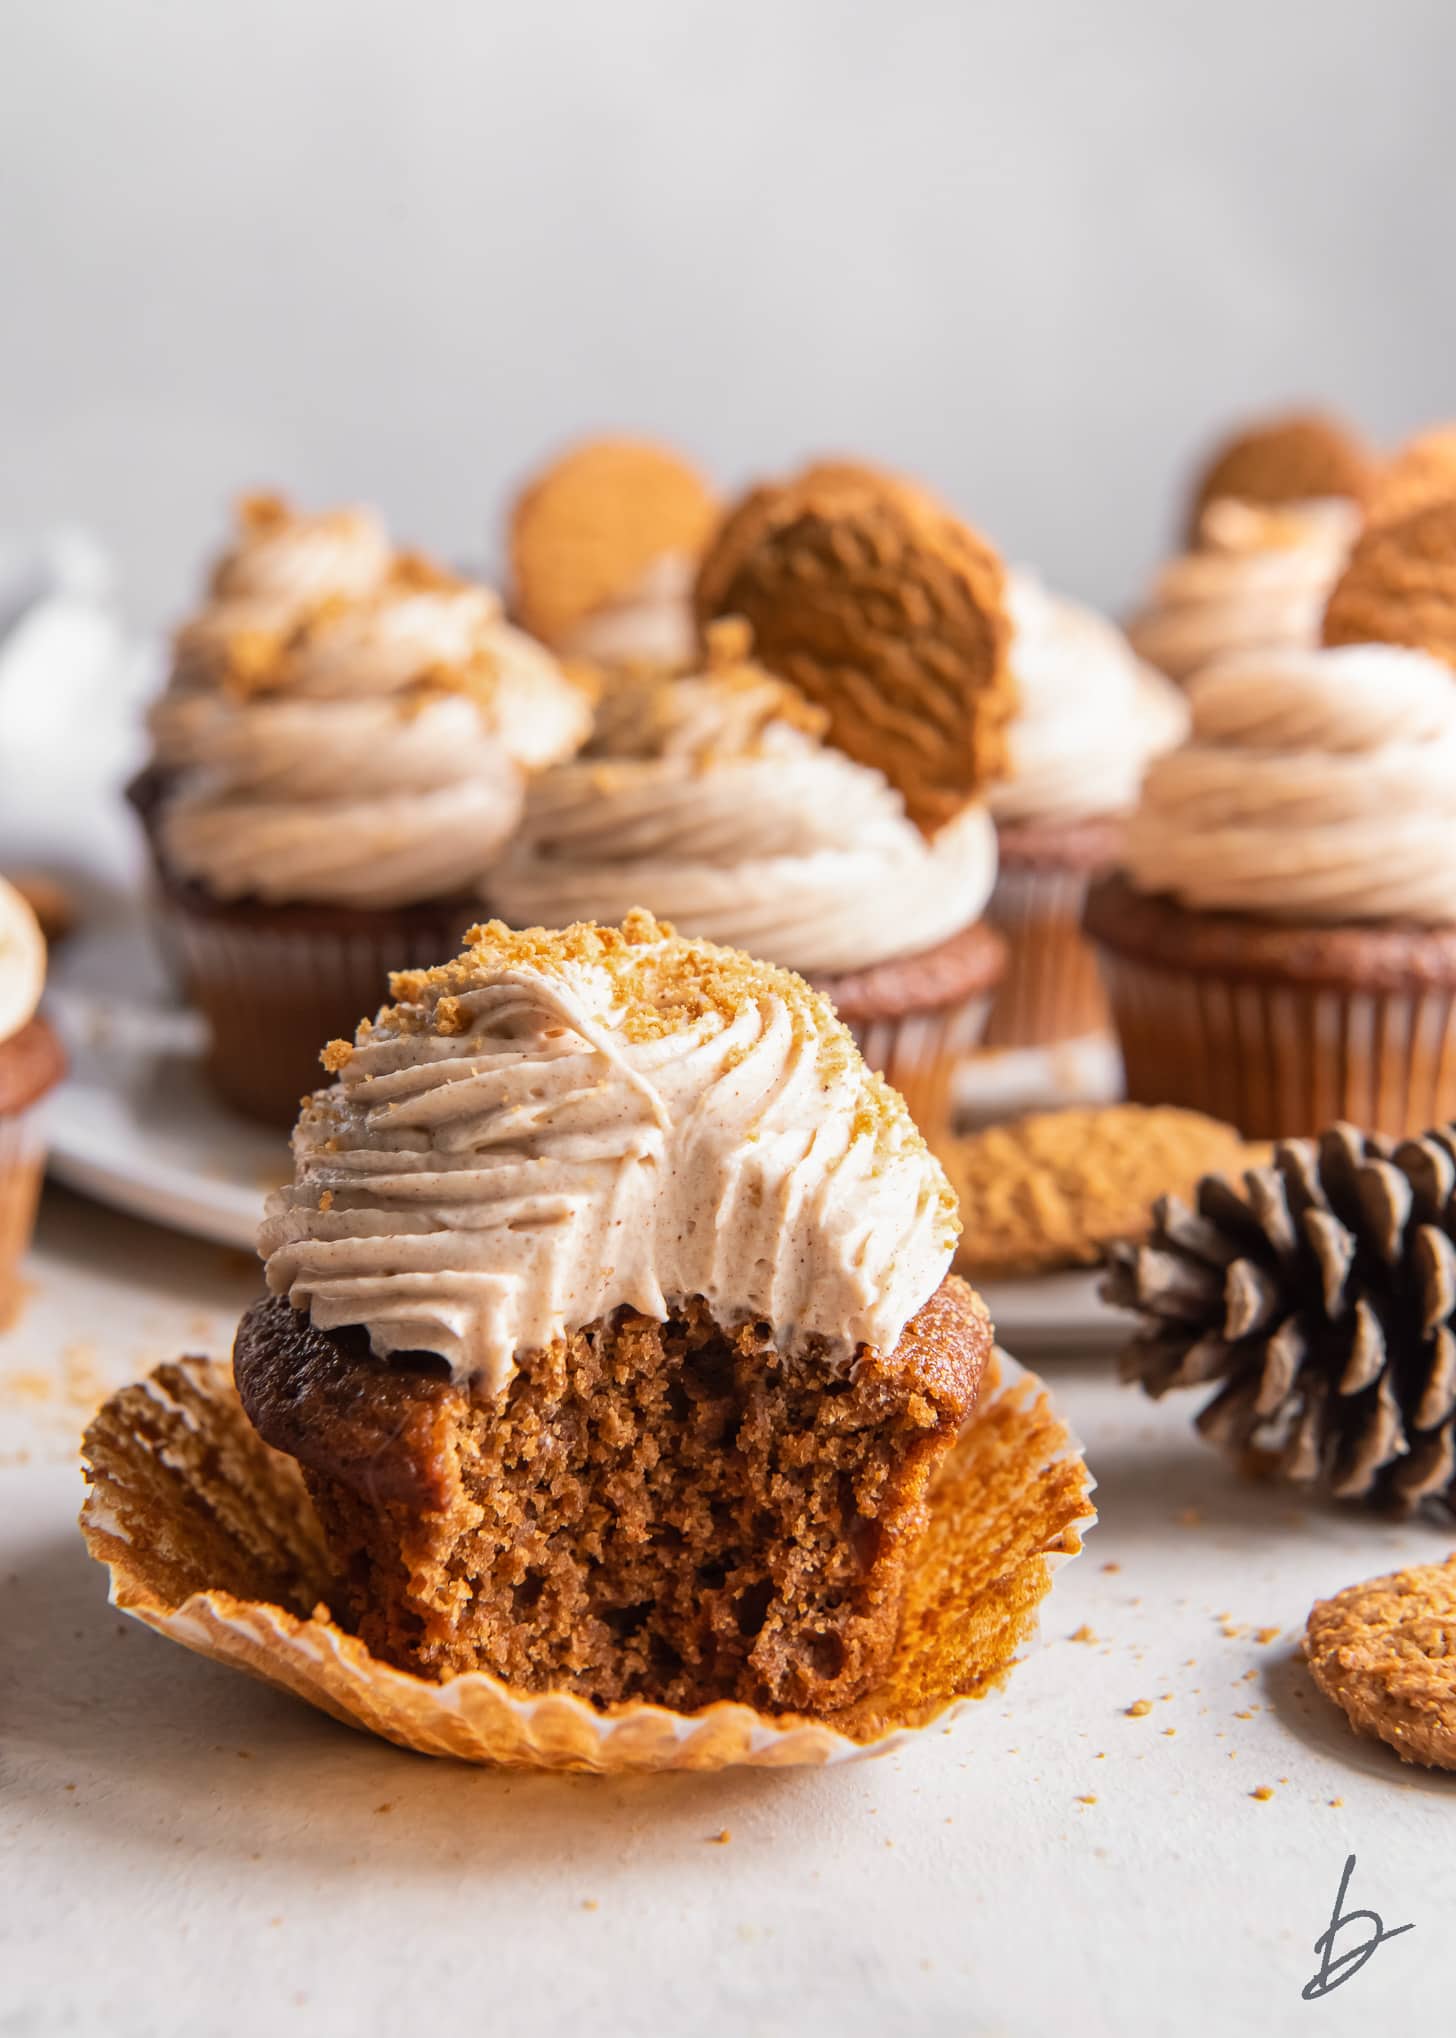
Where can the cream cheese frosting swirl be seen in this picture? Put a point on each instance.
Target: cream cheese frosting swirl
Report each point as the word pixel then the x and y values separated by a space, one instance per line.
pixel 650 624
pixel 1316 785
pixel 22 962
pixel 716 800
pixel 1259 576
pixel 1090 713
pixel 559 1125
pixel 345 725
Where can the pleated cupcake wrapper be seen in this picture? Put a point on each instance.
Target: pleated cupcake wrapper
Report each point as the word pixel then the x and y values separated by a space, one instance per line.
pixel 273 996
pixel 920 1053
pixel 1052 989
pixel 1282 1060
pixel 22 1169
pixel 210 1538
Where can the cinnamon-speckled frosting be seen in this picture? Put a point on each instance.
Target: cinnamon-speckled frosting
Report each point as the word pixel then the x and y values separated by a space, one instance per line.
pixel 22 962
pixel 1258 576
pixel 1090 713
pixel 1316 785
pixel 347 725
pixel 558 1125
pixel 715 800
pixel 650 624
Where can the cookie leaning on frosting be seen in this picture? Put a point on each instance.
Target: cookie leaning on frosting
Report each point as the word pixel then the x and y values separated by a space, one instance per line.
pixel 604 543
pixel 749 804
pixel 342 747
pixel 612 1327
pixel 31 1063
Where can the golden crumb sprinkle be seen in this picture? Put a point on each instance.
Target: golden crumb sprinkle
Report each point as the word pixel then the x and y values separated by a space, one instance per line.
pixel 337 1055
pixel 262 509
pixel 1139 1709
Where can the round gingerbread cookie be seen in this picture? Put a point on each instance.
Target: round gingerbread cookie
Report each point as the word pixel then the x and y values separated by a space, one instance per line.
pixel 1296 457
pixel 889 613
pixel 587 529
pixel 1400 585
pixel 1385 1652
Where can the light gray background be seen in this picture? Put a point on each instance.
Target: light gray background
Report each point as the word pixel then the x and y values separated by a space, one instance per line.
pixel 1033 251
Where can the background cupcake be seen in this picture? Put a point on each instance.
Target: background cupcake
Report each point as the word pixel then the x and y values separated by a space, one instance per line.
pixel 1090 716
pixel 717 799
pixel 31 1063
pixel 1280 947
pixel 1274 513
pixel 604 545
pixel 341 750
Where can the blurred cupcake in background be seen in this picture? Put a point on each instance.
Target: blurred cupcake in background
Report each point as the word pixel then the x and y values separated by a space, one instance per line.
pixel 820 802
pixel 604 545
pixel 31 1063
pixel 1280 946
pixel 1090 717
pixel 341 750
pixel 1274 514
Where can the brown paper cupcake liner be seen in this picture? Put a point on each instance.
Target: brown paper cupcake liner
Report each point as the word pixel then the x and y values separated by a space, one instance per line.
pixel 1281 1060
pixel 274 987
pixel 22 1170
pixel 1052 990
pixel 210 1538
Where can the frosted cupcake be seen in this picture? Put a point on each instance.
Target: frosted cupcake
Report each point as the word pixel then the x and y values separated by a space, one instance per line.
pixel 719 800
pixel 31 1063
pixel 1090 716
pixel 612 1324
pixel 1280 947
pixel 604 546
pixel 342 748
pixel 1273 515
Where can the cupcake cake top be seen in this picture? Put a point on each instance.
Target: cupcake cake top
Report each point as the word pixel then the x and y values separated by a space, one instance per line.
pixel 719 797
pixel 348 724
pixel 1256 576
pixel 604 543
pixel 1316 785
pixel 22 962
pixel 1090 716
pixel 557 1125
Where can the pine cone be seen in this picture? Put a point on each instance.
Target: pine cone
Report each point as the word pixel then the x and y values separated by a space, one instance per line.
pixel 1321 1294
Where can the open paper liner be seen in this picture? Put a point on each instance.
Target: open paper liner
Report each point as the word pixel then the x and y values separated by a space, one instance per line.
pixel 22 1169
pixel 1052 989
pixel 210 1538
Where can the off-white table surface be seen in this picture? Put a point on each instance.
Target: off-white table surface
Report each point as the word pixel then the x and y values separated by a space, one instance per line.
pixel 184 1852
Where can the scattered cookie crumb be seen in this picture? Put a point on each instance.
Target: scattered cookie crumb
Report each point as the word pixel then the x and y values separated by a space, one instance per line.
pixel 1262 1794
pixel 1266 1635
pixel 589 1903
pixel 1140 1708
pixel 1082 1634
pixel 1088 1799
pixel 720 1839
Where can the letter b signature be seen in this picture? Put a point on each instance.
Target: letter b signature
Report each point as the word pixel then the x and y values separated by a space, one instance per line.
pixel 1337 1968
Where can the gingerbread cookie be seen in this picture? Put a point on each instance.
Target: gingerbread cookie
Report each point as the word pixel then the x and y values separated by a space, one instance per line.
pixel 586 530
pixel 1294 458
pixel 1385 1652
pixel 1423 471
pixel 888 612
pixel 1057 1188
pixel 1400 585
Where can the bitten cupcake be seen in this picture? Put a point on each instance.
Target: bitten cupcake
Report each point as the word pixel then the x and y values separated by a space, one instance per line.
pixel 612 1324
pixel 604 544
pixel 1280 947
pixel 342 748
pixel 1273 515
pixel 31 1063
pixel 1090 716
pixel 719 799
